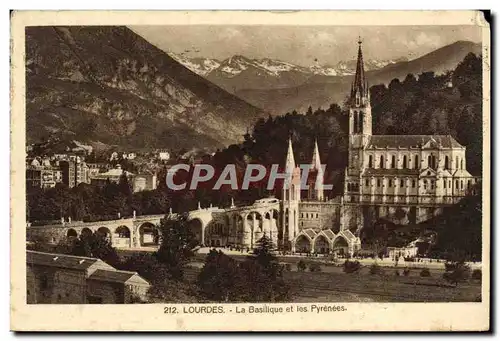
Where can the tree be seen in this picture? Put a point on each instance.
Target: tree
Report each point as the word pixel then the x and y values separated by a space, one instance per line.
pixel 96 246
pixel 177 244
pixel 220 278
pixel 163 289
pixel 456 269
pixel 263 275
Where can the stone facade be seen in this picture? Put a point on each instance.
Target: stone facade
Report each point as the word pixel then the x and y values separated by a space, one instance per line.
pixel 64 279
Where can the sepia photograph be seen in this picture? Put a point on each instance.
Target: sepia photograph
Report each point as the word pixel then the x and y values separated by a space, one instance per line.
pixel 213 164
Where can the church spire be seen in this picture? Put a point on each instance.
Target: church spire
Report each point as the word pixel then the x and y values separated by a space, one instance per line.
pixel 359 86
pixel 290 160
pixel 316 161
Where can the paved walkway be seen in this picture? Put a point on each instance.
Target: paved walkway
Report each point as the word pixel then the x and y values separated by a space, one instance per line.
pixel 386 262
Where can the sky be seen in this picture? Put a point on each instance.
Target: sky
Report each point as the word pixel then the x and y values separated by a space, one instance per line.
pixel 305 45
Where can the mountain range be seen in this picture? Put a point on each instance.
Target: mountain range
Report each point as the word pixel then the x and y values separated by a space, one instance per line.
pixel 107 86
pixel 321 91
pixel 279 87
pixel 239 72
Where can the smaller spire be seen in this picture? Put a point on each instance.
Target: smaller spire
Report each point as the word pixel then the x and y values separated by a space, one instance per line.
pixel 316 161
pixel 290 160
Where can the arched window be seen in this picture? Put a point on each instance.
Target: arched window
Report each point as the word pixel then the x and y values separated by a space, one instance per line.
pixel 413 183
pixel 456 162
pixel 444 183
pixel 446 162
pixel 405 165
pixel 402 183
pixel 360 122
pixel 355 123
pixel 456 184
pixel 462 164
pixel 367 182
pixel 433 162
pixel 429 160
pixel 370 160
pixel 382 161
pixel 461 184
pixel 393 161
pixel 416 162
pixel 425 184
pixel 390 183
pixel 378 182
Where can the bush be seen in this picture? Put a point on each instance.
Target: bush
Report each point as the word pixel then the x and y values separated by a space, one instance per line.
pixel 314 267
pixel 288 267
pixel 375 269
pixel 460 273
pixel 351 266
pixel 477 274
pixel 425 273
pixel 301 265
pixel 397 273
pixel 406 272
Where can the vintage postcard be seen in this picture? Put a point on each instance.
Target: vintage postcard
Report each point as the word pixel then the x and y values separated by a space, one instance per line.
pixel 262 171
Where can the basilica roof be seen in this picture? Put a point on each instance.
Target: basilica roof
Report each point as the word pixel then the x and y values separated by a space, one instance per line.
pixel 412 141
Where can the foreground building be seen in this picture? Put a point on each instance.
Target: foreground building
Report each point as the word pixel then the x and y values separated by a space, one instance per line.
pixel 64 279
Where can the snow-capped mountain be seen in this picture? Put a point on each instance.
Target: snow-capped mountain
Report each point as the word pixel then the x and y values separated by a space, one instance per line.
pixel 346 68
pixel 200 66
pixel 237 64
pixel 239 72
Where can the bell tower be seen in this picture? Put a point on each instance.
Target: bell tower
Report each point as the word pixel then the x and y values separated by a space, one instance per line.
pixel 360 131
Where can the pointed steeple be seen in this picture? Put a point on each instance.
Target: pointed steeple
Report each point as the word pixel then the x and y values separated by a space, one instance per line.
pixel 316 161
pixel 360 85
pixel 290 160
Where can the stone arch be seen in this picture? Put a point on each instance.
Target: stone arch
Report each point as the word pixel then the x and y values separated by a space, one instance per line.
pixel 123 231
pixel 86 232
pixel 122 236
pixel 340 245
pixel 275 227
pixel 303 243
pixel 195 226
pixel 71 233
pixel 104 232
pixel 149 234
pixel 321 244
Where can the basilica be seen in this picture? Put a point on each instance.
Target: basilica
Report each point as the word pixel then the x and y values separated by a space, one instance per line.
pixel 405 179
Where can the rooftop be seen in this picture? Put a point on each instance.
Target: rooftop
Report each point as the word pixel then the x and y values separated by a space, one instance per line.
pixel 412 141
pixel 60 260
